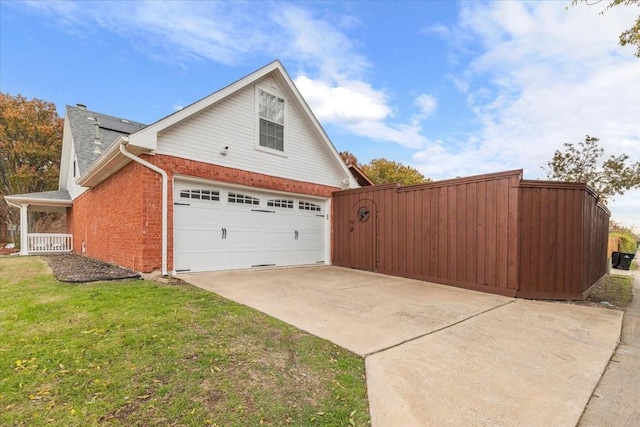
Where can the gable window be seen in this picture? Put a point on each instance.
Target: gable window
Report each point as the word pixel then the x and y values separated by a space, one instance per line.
pixel 271 114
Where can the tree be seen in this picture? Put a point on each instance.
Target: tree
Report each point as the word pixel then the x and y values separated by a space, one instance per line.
pixel 581 163
pixel 630 36
pixel 30 148
pixel 383 171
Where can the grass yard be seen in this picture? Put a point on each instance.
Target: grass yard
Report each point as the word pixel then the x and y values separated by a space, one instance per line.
pixel 615 289
pixel 143 353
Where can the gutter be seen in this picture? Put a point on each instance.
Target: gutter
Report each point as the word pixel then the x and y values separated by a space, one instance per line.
pixel 12 204
pixel 41 202
pixel 165 179
pixel 108 156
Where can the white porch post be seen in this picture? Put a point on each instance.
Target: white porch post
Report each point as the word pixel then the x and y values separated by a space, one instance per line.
pixel 24 229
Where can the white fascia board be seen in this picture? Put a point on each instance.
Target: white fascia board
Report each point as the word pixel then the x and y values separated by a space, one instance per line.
pixel 17 201
pixel 147 138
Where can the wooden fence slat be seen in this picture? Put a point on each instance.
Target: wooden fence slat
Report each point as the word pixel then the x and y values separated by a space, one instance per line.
pixel 481 233
pixel 452 236
pixel 470 235
pixel 443 227
pixel 502 230
pixel 514 223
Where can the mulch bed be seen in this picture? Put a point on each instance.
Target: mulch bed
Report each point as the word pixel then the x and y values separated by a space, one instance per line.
pixel 74 268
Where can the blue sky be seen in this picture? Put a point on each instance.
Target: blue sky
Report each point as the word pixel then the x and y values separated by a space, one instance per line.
pixel 451 88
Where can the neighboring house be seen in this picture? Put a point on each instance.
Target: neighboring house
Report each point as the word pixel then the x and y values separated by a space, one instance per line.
pixel 239 179
pixel 361 177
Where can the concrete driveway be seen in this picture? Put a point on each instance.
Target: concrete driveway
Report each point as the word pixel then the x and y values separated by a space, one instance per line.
pixel 438 355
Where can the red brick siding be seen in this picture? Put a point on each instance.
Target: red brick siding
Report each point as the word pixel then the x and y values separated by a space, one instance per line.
pixel 120 220
pixel 69 221
pixel 178 166
pixel 108 219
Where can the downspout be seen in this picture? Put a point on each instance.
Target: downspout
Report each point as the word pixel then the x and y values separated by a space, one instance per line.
pixel 165 190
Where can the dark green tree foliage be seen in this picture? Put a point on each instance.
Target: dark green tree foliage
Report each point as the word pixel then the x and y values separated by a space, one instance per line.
pixel 582 163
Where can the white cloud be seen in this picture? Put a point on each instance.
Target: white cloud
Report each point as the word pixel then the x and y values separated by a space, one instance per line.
pixel 626 209
pixel 407 135
pixel 540 76
pixel 331 71
pixel 349 102
pixel 362 110
pixel 317 43
pixel 173 31
pixel 427 104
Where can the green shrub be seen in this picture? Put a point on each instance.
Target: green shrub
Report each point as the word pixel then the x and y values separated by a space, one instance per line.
pixel 627 241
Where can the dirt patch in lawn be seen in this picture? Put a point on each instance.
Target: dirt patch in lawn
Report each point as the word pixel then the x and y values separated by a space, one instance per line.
pixel 74 268
pixel 615 291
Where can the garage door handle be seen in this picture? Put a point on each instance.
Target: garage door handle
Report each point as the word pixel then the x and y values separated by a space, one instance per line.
pixel 224 233
pixel 296 234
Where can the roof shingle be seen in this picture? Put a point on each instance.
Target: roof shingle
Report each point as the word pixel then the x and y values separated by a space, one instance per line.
pixel 49 195
pixel 83 130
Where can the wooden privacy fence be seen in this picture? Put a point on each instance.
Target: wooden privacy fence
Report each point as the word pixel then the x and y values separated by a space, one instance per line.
pixel 494 233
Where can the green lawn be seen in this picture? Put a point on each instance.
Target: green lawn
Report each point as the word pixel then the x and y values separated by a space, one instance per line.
pixel 615 289
pixel 143 353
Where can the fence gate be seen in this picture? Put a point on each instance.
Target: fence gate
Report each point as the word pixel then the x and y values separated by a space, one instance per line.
pixel 363 235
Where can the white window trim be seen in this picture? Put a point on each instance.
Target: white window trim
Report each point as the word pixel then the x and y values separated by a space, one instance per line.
pixel 257 145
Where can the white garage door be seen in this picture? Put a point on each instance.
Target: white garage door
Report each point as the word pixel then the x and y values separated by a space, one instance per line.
pixel 220 228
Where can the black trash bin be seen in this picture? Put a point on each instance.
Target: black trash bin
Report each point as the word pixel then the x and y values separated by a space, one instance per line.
pixel 624 263
pixel 615 259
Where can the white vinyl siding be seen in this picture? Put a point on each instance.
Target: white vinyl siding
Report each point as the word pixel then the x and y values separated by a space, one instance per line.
pixel 232 122
pixel 74 189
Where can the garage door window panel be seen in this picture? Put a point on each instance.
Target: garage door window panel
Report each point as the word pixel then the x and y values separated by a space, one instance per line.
pixel 200 194
pixel 243 199
pixel 280 203
pixel 308 206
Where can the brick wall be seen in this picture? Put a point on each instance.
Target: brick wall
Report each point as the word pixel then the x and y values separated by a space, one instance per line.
pixel 108 220
pixel 120 220
pixel 178 166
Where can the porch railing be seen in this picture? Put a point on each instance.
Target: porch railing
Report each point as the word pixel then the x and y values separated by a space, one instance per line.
pixel 49 242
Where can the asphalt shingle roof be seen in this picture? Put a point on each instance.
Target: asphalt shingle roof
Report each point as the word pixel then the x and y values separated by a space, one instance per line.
pixel 49 195
pixel 83 129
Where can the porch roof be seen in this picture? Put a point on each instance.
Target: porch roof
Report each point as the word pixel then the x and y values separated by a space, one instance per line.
pixel 59 198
